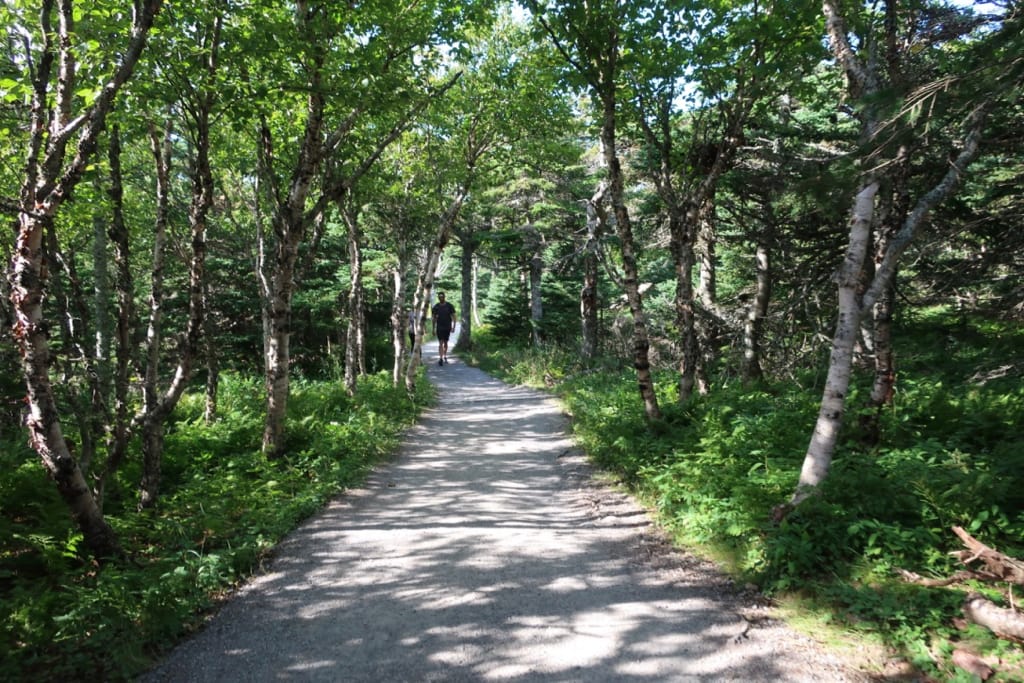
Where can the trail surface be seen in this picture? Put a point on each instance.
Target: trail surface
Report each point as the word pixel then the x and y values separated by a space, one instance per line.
pixel 485 552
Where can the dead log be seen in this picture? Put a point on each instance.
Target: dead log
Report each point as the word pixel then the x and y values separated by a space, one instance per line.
pixel 1005 622
pixel 997 567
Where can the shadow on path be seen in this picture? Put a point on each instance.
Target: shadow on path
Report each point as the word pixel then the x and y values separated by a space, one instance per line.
pixel 481 553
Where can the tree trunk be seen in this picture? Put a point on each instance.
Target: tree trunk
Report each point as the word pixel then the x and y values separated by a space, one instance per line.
pixel 354 346
pixel 289 227
pixel 863 81
pixel 421 300
pixel 161 149
pixel 536 266
pixel 758 311
pixel 1006 622
pixel 278 349
pixel 892 212
pixel 818 458
pixel 690 214
pixel 42 416
pixel 102 319
pixel 624 229
pixel 996 565
pixel 596 222
pixel 707 288
pixel 681 246
pixel 117 438
pixel 49 179
pixel 467 304
pixel 399 323
pixel 86 403
pixel 707 245
pixel 212 359
pixel 475 300
pixel 159 410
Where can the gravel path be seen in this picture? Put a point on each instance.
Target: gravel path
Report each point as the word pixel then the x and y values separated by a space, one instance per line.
pixel 485 552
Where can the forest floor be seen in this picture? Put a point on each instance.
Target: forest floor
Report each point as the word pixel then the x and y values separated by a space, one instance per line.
pixel 486 550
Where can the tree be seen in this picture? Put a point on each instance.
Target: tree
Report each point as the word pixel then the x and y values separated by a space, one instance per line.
pixel 719 62
pixel 198 99
pixel 377 64
pixel 590 37
pixel 63 106
pixel 882 134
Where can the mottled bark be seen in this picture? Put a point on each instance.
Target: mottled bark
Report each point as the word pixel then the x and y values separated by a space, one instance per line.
pixel 289 227
pixel 78 382
pixel 48 180
pixel 892 211
pixel 627 244
pixel 160 146
pixel 681 247
pixel 689 203
pixel 753 327
pixel 707 246
pixel 157 413
pixel 117 231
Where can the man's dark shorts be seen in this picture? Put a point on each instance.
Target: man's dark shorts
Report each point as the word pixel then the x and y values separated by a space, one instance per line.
pixel 443 335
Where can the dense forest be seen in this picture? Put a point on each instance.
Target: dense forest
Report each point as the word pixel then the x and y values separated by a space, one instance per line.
pixel 769 254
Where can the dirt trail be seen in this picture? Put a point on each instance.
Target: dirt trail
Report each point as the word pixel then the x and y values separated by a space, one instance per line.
pixel 484 552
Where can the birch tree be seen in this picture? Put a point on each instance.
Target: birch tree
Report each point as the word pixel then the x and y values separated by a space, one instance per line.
pixel 859 288
pixel 68 115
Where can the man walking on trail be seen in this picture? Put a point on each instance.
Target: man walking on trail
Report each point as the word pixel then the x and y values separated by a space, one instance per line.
pixel 444 322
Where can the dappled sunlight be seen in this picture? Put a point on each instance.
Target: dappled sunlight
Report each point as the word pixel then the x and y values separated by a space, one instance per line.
pixel 472 557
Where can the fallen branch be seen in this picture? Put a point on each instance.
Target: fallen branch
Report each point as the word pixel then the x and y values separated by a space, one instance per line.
pixel 915 578
pixel 1003 621
pixel 998 567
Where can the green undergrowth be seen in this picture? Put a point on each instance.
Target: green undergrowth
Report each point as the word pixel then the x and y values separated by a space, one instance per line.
pixel 223 508
pixel 951 453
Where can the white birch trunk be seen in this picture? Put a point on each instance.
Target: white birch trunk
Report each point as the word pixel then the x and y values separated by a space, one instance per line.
pixel 467 264
pixel 818 458
pixel 475 300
